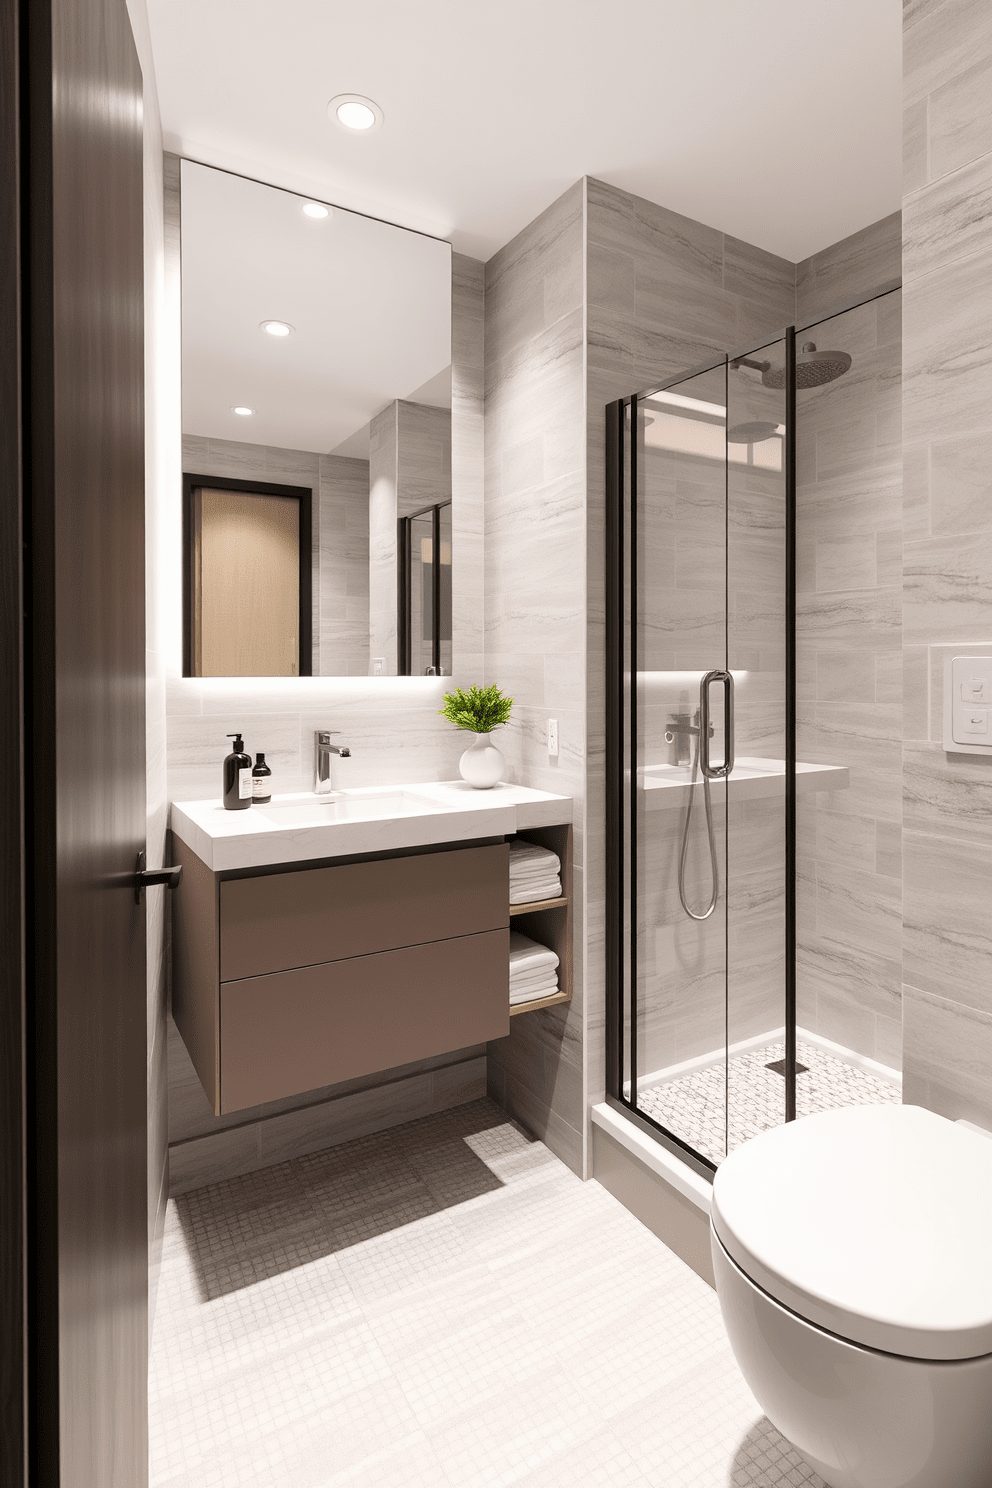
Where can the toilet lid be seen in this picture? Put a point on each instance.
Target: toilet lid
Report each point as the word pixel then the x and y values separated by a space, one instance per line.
pixel 874 1222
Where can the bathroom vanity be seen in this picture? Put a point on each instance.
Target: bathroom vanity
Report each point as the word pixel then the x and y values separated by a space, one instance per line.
pixel 316 941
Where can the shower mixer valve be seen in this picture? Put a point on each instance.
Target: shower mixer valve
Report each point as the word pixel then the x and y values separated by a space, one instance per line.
pixel 681 728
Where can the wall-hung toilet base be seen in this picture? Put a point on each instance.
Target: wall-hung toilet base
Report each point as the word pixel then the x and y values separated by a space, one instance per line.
pixel 860 1418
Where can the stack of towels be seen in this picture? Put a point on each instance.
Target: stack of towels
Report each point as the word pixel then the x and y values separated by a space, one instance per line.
pixel 535 873
pixel 533 969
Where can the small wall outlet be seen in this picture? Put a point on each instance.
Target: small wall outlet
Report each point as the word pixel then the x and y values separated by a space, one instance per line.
pixel 378 666
pixel 553 737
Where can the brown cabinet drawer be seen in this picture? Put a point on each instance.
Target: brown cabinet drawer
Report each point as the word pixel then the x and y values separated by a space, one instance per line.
pixel 280 921
pixel 296 1030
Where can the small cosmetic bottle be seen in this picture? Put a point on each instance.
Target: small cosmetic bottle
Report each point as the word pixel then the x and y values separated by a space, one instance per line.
pixel 261 780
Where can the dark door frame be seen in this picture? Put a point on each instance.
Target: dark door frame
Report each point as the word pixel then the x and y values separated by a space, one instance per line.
pixel 73 1105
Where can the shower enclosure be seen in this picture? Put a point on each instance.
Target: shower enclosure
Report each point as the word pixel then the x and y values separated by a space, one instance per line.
pixel 754 511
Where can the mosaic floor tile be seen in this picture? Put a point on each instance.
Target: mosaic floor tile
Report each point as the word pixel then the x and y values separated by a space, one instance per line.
pixel 474 1316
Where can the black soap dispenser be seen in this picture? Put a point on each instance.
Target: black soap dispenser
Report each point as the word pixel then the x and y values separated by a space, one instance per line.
pixel 261 780
pixel 237 777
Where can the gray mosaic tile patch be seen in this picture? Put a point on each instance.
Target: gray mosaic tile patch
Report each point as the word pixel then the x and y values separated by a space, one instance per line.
pixel 716 1109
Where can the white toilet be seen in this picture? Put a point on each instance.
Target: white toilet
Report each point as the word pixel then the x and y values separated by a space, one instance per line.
pixel 853 1261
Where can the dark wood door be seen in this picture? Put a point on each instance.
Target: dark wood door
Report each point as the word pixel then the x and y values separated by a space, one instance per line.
pixel 79 375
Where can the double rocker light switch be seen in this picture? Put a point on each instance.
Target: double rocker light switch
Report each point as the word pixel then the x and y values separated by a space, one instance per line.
pixel 968 704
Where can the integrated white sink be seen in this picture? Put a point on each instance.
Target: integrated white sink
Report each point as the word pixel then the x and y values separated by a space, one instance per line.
pixel 370 819
pixel 343 806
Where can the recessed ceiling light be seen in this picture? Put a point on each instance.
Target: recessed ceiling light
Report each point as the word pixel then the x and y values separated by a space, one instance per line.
pixel 243 411
pixel 276 327
pixel 355 114
pixel 315 210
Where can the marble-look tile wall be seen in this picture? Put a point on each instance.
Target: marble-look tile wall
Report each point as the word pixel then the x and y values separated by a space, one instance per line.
pixel 849 677
pixel 854 266
pixel 663 294
pixel 535 564
pixel 409 469
pixel 341 601
pixel 391 724
pixel 947 557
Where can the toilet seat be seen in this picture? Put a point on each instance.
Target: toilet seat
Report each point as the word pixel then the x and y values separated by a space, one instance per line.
pixel 871 1222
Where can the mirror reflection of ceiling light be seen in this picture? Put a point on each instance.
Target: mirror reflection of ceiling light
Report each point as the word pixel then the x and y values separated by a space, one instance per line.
pixel 355 114
pixel 241 410
pixel 315 210
pixel 276 327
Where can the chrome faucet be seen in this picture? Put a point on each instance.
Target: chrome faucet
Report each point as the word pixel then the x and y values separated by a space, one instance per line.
pixel 322 751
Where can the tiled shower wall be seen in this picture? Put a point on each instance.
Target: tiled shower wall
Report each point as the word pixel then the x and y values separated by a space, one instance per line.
pixel 947 591
pixel 849 661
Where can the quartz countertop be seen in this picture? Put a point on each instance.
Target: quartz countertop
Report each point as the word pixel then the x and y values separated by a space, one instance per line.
pixel 304 827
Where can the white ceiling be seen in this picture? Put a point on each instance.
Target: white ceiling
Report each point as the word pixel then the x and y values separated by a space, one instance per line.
pixel 775 120
pixel 370 307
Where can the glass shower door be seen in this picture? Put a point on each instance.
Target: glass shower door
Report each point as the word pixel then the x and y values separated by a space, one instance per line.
pixel 757 631
pixel 676 1014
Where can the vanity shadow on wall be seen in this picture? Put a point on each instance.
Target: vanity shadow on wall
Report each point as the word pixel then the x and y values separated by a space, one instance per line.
pixel 316 399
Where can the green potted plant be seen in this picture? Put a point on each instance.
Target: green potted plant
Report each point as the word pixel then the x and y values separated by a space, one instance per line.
pixel 480 709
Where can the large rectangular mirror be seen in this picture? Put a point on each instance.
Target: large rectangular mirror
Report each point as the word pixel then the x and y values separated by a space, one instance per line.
pixel 316 406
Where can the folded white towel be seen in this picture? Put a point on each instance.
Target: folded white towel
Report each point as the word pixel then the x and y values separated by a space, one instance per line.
pixel 522 851
pixel 534 985
pixel 532 994
pixel 527 955
pixel 532 893
pixel 528 861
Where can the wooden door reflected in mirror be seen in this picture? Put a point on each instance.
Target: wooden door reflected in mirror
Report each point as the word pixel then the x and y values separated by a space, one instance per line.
pixel 247 565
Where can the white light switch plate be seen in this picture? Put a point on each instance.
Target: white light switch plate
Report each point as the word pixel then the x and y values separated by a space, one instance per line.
pixel 968 704
pixel 553 737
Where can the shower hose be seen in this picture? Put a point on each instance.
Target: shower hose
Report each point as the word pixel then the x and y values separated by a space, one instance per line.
pixel 710 834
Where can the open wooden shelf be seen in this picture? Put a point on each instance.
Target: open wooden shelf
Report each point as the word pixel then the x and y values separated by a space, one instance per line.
pixel 534 904
pixel 540 1002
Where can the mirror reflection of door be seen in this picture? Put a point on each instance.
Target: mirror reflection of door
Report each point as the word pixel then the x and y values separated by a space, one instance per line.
pixel 425 593
pixel 248 569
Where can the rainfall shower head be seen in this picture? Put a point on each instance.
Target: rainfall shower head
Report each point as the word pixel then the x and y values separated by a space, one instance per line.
pixel 753 433
pixel 813 368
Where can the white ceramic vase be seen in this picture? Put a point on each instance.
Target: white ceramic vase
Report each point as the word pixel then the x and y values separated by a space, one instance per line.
pixel 482 765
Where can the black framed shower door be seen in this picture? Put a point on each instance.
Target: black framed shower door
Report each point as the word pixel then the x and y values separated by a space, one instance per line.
pixel 701 747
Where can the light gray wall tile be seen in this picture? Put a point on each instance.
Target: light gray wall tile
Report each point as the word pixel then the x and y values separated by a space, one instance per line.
pixel 947 368
pixel 960 128
pixel 947 1055
pixel 948 930
pixel 942 44
pixel 914 149
pixel 948 219
pixel 855 265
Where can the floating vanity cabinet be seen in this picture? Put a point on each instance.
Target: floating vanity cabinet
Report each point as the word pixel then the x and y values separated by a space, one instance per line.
pixel 287 981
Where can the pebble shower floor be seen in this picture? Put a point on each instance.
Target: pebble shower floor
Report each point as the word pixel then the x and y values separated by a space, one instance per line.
pixel 443 1305
pixel 714 1108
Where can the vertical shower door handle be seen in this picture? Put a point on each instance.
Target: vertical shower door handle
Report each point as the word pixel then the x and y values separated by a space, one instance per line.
pixel 716 772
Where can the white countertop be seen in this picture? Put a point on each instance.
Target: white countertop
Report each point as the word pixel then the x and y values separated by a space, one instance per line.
pixel 750 779
pixel 304 827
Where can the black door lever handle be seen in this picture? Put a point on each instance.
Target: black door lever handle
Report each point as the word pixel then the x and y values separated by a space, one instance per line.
pixel 145 877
